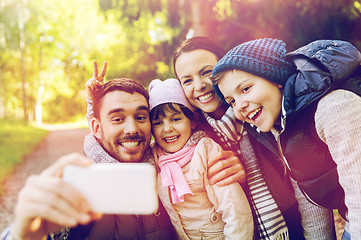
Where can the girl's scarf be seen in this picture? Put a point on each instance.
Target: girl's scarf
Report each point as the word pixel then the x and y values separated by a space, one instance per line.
pixel 171 171
pixel 169 165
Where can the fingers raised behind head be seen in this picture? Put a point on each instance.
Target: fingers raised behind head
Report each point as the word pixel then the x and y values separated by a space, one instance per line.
pixel 95 69
pixel 103 71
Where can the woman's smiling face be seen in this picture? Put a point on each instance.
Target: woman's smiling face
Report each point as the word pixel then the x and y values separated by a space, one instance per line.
pixel 194 69
pixel 254 99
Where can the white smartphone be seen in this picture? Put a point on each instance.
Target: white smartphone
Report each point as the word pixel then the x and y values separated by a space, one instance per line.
pixel 124 188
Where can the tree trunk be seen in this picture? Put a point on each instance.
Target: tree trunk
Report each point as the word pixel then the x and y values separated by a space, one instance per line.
pixel 202 17
pixel 39 97
pixel 22 50
pixel 2 95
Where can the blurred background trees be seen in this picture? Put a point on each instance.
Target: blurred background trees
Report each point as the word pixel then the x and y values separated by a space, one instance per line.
pixel 47 46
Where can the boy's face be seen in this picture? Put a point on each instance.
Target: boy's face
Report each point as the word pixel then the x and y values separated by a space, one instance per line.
pixel 172 131
pixel 254 99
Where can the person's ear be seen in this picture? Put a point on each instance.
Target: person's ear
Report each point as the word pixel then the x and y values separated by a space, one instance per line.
pixel 95 127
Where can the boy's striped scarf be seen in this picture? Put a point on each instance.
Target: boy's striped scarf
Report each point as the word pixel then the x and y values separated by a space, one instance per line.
pixel 270 221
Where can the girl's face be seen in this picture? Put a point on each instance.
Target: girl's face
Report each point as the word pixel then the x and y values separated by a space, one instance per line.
pixel 254 99
pixel 194 69
pixel 172 131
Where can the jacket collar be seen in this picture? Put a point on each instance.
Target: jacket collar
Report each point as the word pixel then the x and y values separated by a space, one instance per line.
pixel 321 67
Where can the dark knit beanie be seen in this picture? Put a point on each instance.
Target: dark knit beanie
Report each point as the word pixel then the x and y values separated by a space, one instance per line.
pixel 262 57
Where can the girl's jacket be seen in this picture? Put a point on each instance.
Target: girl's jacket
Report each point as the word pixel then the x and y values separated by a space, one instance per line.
pixel 211 212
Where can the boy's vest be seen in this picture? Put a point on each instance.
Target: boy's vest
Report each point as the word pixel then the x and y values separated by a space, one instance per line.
pixel 309 158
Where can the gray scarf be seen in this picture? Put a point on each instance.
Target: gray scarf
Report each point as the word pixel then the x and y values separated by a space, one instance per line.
pixel 271 224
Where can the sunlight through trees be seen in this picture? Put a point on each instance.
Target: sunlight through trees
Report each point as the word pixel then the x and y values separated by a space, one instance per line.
pixel 47 46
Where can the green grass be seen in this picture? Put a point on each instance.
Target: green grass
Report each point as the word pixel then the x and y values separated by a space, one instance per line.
pixel 17 139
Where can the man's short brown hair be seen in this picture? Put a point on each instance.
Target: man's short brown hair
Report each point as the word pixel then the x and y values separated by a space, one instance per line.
pixel 122 84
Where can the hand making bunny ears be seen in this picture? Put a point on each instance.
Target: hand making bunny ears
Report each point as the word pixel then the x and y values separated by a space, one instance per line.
pixel 96 81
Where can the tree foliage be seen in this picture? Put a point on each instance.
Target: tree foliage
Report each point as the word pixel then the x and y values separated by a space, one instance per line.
pixel 137 38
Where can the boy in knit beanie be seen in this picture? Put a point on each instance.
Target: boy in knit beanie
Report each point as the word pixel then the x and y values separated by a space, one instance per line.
pixel 197 209
pixel 259 59
pixel 310 100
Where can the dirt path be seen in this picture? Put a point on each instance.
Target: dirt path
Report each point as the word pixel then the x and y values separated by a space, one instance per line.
pixel 56 144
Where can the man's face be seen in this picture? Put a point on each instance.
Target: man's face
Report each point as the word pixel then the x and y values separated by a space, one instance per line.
pixel 124 125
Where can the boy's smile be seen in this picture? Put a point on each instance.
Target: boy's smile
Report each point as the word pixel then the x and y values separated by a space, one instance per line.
pixel 254 99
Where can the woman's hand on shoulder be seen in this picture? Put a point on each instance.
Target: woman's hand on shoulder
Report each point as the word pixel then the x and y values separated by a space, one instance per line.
pixel 225 168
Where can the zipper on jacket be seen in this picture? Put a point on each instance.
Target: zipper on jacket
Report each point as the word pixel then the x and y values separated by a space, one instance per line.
pixel 309 198
pixel 285 162
pixel 283 158
pixel 277 135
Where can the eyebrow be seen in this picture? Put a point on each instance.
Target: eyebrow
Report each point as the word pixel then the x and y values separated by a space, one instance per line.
pixel 243 82
pixel 199 72
pixel 176 113
pixel 236 87
pixel 204 68
pixel 140 108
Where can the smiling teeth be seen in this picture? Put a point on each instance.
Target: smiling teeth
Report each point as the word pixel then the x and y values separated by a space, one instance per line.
pixel 170 139
pixel 205 97
pixel 130 144
pixel 252 114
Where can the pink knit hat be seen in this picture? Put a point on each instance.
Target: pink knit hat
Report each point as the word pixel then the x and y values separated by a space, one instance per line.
pixel 167 91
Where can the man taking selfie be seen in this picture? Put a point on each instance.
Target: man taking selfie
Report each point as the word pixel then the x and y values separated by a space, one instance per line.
pixel 48 207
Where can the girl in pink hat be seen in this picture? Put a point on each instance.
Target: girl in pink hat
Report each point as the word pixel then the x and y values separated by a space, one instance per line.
pixel 197 209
